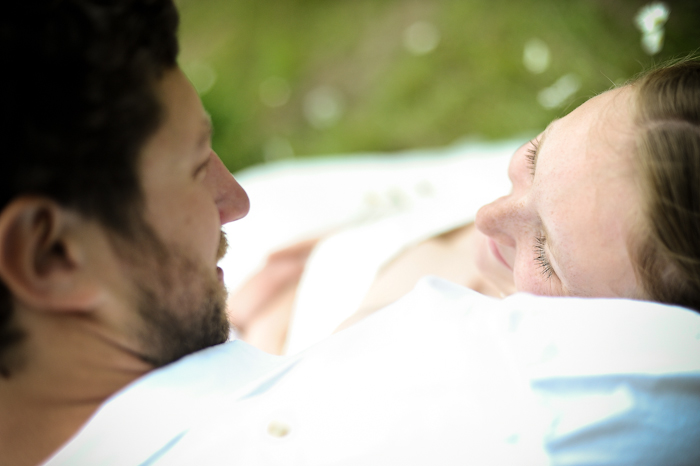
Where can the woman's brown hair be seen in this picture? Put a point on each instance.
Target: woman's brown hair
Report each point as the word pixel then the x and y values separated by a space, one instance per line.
pixel 667 252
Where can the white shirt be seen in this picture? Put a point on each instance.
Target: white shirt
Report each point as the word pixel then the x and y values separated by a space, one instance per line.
pixel 444 376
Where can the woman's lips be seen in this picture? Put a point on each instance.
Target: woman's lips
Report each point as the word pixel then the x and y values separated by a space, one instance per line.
pixel 494 249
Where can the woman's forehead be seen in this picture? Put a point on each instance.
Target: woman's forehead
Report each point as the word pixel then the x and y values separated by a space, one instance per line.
pixel 595 140
pixel 586 193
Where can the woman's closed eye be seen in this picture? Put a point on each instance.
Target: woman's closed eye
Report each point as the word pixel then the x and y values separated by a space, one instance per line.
pixel 541 257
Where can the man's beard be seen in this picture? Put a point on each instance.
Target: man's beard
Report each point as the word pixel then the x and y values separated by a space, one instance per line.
pixel 182 304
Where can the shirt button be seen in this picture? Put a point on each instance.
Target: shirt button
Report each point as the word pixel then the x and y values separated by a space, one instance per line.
pixel 278 429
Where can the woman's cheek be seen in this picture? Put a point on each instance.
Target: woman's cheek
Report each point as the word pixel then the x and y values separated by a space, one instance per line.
pixel 529 278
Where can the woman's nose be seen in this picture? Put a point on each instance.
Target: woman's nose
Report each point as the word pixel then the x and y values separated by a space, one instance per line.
pixel 500 219
pixel 231 199
pixel 506 216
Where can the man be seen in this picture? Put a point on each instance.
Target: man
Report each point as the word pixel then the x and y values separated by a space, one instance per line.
pixel 112 204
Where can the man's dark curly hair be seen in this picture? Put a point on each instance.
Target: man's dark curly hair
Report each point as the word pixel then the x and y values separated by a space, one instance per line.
pixel 77 103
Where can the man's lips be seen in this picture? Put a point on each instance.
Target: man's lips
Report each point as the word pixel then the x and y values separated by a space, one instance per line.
pixel 220 274
pixel 494 249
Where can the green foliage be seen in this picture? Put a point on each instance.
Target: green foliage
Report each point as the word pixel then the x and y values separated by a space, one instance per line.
pixel 351 55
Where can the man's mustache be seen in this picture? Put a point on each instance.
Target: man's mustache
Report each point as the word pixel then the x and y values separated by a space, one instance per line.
pixel 223 246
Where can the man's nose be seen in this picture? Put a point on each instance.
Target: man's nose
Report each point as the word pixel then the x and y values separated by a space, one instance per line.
pixel 231 199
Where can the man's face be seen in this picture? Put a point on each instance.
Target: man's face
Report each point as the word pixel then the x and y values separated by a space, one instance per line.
pixel 188 194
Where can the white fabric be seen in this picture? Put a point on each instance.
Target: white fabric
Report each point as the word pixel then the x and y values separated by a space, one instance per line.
pixel 444 376
pixel 342 268
pixel 370 208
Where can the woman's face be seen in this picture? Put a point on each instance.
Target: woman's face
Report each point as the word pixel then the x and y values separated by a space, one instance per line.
pixel 564 227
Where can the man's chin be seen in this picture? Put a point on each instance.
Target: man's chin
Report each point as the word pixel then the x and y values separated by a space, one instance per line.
pixel 183 313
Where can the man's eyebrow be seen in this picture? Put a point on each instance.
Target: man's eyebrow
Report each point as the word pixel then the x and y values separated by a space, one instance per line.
pixel 207 131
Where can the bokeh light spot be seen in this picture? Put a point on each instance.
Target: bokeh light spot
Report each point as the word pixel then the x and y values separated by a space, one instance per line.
pixel 323 107
pixel 277 148
pixel 536 56
pixel 421 38
pixel 560 92
pixel 275 92
pixel 202 76
pixel 650 21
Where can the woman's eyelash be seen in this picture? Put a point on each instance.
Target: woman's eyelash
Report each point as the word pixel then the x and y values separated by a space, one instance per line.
pixel 531 155
pixel 541 257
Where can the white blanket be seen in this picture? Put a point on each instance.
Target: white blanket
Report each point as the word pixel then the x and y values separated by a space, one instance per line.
pixel 369 208
pixel 444 376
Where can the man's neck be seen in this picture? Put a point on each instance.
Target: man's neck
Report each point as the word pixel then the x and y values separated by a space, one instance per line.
pixel 68 370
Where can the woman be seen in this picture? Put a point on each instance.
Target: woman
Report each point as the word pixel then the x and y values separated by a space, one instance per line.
pixel 604 203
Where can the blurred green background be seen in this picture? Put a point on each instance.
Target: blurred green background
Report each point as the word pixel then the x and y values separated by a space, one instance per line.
pixel 302 78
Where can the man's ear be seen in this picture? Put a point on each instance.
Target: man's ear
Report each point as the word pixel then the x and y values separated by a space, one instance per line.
pixel 43 256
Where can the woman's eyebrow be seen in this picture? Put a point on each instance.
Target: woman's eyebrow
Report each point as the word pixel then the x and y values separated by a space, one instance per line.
pixel 540 142
pixel 552 245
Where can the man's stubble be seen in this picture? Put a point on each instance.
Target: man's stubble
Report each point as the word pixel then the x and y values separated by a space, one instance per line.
pixel 181 303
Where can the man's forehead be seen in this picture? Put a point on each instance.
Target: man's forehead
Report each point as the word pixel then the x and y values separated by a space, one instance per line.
pixel 184 118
